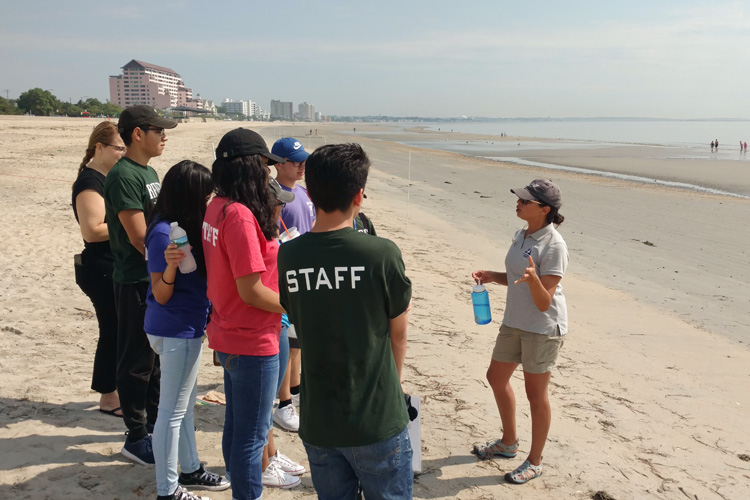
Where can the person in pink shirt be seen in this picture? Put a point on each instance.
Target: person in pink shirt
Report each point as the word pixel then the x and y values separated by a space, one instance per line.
pixel 240 252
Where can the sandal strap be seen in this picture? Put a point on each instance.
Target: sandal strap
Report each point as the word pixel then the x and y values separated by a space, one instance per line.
pixel 526 471
pixel 497 447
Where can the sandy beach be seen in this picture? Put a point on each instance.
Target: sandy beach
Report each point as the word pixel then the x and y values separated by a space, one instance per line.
pixel 649 397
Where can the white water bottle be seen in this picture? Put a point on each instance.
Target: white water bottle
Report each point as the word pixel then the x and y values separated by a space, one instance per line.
pixel 178 236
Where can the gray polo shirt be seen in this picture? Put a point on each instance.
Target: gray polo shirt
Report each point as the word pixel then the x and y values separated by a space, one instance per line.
pixel 550 255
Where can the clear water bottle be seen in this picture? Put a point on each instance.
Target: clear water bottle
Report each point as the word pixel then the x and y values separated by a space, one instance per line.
pixel 178 236
pixel 480 299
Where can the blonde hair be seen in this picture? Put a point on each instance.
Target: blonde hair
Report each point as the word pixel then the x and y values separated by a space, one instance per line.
pixel 103 133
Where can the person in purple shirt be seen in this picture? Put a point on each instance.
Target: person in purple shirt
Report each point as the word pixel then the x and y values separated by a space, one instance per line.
pixel 175 320
pixel 300 213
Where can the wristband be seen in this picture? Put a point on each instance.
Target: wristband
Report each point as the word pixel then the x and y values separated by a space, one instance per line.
pixel 166 282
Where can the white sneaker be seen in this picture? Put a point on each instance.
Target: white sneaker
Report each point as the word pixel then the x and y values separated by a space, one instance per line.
pixel 287 418
pixel 295 400
pixel 287 464
pixel 274 477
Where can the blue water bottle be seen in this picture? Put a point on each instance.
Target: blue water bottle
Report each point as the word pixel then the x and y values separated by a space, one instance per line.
pixel 480 299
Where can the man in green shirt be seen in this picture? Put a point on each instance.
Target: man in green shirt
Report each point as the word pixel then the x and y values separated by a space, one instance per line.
pixel 348 294
pixel 130 191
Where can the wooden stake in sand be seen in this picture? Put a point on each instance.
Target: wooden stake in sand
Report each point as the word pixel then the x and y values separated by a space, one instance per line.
pixel 408 191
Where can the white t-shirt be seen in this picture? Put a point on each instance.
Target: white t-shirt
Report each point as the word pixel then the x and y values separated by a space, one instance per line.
pixel 550 255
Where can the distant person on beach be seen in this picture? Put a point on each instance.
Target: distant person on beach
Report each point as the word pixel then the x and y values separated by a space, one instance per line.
pixel 299 213
pixel 717 144
pixel 534 324
pixel 175 322
pixel 130 192
pixel 349 295
pixel 745 146
pixel 93 267
pixel 712 146
pixel 239 232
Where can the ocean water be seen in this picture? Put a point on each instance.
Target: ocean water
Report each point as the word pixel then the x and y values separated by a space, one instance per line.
pixel 692 133
pixel 670 139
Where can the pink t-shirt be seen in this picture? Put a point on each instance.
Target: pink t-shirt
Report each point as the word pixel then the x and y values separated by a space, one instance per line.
pixel 235 246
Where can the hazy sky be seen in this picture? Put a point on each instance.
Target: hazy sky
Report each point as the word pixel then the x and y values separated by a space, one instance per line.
pixel 657 58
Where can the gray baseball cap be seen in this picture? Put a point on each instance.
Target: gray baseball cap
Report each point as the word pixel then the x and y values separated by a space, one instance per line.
pixel 541 190
pixel 280 194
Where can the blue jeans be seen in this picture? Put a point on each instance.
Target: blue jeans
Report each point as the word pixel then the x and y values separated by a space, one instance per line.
pixel 250 388
pixel 174 432
pixel 283 356
pixel 383 469
pixel 283 362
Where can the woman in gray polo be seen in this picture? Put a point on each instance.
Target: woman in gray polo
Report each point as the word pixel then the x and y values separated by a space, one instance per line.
pixel 534 323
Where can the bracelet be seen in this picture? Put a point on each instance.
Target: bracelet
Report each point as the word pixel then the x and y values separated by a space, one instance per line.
pixel 166 282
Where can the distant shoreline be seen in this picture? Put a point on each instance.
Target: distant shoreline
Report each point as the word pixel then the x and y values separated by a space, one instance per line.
pixel 683 167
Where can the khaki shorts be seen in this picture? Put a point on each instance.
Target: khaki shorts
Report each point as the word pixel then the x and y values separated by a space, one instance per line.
pixel 536 352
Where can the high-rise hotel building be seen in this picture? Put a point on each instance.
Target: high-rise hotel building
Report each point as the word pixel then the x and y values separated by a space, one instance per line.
pixel 145 83
pixel 306 112
pixel 282 109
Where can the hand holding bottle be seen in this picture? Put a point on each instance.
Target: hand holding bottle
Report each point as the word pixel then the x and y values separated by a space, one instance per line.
pixel 480 299
pixel 179 238
pixel 173 255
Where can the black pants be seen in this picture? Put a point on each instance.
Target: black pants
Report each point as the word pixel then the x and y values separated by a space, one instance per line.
pixel 94 277
pixel 138 373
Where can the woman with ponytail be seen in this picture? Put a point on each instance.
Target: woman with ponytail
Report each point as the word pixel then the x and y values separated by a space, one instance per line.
pixel 93 266
pixel 534 324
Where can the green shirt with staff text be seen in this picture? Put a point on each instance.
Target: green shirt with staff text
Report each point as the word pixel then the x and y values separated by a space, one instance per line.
pixel 340 289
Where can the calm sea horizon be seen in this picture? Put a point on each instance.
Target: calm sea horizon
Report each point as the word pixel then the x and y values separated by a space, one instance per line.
pixel 691 133
pixel 676 139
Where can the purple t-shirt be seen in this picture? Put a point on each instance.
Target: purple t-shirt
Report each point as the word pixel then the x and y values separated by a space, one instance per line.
pixel 300 213
pixel 184 315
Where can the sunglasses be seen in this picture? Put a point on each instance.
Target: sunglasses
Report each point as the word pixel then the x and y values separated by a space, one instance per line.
pixel 159 131
pixel 119 149
pixel 526 202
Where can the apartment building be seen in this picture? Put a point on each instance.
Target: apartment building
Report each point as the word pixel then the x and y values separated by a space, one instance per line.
pixel 239 107
pixel 245 107
pixel 306 112
pixel 282 109
pixel 146 83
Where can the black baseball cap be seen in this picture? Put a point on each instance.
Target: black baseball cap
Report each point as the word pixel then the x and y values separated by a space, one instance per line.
pixel 142 116
pixel 245 142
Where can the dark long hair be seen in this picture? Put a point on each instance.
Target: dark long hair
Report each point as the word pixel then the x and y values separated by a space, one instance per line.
pixel 182 198
pixel 244 179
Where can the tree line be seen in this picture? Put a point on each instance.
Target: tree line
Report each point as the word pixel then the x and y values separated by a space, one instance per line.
pixel 43 103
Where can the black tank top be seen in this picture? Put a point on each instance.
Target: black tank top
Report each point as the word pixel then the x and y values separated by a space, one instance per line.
pixel 91 179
